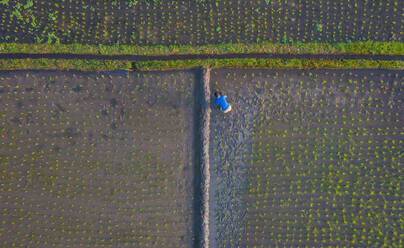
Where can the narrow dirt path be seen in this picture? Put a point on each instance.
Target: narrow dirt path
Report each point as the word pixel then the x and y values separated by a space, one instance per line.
pixel 135 58
pixel 230 140
pixel 205 129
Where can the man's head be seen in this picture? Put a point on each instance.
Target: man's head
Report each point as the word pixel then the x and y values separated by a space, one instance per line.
pixel 218 94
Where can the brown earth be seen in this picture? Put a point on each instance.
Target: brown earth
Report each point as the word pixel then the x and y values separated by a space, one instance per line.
pixel 305 155
pixel 90 161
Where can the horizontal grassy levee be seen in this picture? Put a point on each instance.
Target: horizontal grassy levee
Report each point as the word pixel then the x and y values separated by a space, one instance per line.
pixel 270 63
pixel 368 47
pixel 63 64
pixel 99 65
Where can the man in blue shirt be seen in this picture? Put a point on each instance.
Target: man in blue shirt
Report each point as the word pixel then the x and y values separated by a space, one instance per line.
pixel 222 103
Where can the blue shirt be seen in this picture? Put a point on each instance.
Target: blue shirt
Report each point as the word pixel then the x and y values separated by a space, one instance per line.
pixel 221 101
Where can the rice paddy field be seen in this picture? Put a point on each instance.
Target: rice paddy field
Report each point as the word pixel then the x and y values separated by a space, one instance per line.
pixel 198 22
pixel 110 159
pixel 96 159
pixel 115 148
pixel 308 158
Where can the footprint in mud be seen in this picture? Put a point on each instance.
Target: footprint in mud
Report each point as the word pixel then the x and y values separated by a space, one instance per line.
pixel 234 130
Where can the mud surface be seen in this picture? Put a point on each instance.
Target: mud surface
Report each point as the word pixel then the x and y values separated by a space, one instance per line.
pixel 96 161
pixel 229 144
pixel 116 159
pixel 305 155
pixel 195 22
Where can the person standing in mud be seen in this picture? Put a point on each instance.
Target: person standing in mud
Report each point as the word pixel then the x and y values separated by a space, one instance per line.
pixel 222 103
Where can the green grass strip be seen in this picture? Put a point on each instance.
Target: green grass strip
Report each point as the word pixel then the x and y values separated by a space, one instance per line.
pixel 99 65
pixel 368 47
pixel 62 64
pixel 271 63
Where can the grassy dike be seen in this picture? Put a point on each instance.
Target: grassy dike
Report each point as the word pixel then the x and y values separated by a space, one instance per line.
pixel 368 47
pixel 100 65
pixel 386 48
pixel 63 64
pixel 271 63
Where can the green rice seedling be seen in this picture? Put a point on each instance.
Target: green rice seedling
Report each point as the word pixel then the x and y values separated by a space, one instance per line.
pixel 319 166
pixel 67 119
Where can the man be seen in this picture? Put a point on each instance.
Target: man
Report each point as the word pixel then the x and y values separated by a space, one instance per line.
pixel 222 103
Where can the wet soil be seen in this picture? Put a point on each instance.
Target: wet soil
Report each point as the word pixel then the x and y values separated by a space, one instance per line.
pixel 91 160
pixel 277 159
pixel 201 22
pixel 116 159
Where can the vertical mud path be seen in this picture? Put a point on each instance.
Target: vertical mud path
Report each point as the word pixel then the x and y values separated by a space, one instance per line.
pixel 205 155
pixel 201 146
pixel 230 138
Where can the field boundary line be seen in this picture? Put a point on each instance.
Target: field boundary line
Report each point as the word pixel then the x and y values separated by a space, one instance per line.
pixel 205 129
pixel 135 58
